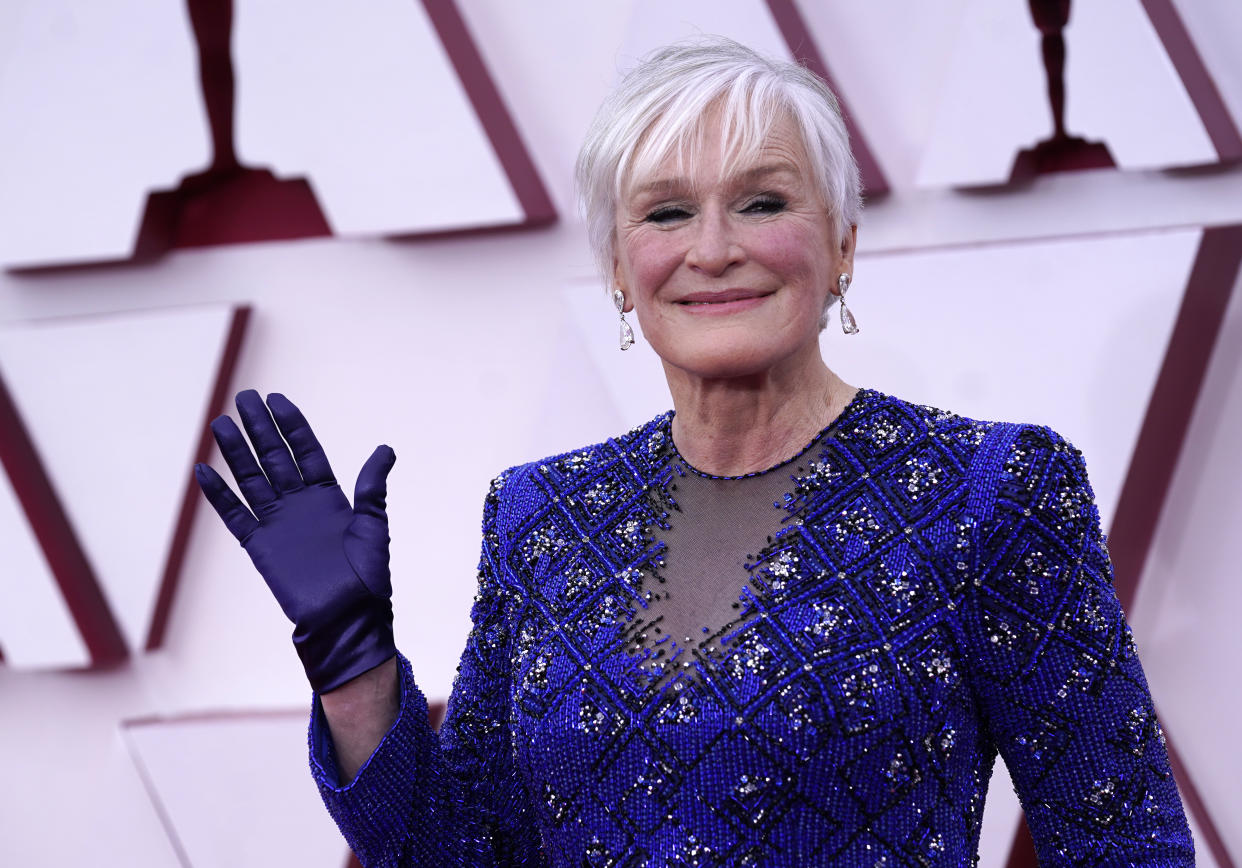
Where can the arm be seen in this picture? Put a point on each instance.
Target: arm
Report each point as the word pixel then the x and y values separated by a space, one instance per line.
pixel 408 799
pixel 1055 669
pixel 359 713
pixel 455 799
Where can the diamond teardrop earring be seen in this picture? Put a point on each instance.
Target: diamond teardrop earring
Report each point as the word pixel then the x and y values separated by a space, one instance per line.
pixel 627 333
pixel 848 324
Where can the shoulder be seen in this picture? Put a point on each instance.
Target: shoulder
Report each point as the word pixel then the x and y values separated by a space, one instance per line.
pixel 629 459
pixel 1041 477
pixel 879 426
pixel 1021 464
pixel 1025 493
pixel 888 417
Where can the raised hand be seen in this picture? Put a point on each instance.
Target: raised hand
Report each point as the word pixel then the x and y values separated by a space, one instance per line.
pixel 325 561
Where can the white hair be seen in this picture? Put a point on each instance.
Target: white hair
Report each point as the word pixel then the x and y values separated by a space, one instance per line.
pixel 658 108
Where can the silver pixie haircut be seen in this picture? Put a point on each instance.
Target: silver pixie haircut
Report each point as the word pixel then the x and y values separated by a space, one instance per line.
pixel 657 110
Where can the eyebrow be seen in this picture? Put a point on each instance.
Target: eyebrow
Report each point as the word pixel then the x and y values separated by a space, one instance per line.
pixel 660 185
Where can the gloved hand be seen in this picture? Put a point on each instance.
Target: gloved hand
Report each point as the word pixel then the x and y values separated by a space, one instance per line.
pixel 325 561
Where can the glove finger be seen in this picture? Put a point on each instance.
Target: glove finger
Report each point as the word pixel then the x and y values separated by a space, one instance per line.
pixel 371 490
pixel 273 454
pixel 235 516
pixel 250 479
pixel 309 455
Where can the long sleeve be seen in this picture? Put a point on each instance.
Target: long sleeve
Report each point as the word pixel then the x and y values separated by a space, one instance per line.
pixel 1055 669
pixel 455 798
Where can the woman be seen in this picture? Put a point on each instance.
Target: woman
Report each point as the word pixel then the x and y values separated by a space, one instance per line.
pixel 790 623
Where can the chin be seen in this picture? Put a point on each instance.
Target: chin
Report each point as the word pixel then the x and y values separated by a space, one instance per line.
pixel 720 361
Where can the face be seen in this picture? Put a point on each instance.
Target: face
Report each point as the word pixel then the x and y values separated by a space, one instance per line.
pixel 728 274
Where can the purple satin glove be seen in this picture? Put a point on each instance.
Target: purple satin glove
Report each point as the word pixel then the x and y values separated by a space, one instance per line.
pixel 325 561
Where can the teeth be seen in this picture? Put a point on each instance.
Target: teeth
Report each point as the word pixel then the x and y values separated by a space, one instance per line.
pixel 719 301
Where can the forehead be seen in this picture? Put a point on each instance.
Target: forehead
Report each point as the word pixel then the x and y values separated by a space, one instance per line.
pixel 717 148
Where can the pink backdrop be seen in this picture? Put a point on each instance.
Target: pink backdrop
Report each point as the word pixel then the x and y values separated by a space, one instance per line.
pixel 446 305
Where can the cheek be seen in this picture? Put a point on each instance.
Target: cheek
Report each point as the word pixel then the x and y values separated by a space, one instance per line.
pixel 802 257
pixel 648 262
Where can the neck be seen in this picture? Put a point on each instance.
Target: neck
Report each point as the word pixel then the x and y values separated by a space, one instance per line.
pixel 739 425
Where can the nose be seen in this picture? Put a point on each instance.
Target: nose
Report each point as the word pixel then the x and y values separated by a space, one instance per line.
pixel 714 247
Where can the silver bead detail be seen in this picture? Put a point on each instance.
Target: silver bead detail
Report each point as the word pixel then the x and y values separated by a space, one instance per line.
pixel 848 324
pixel 627 333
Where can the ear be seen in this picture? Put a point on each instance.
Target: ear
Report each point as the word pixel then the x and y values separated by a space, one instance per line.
pixel 848 244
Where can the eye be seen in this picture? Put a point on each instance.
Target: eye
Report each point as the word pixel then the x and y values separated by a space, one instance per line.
pixel 766 204
pixel 667 214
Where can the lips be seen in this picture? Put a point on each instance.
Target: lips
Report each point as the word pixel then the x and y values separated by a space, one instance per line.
pixel 723 296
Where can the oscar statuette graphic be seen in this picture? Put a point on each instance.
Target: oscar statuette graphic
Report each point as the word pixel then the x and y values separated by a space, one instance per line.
pixel 226 203
pixel 1061 152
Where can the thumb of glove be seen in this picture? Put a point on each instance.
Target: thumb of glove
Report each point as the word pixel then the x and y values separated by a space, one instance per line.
pixel 371 489
pixel 366 538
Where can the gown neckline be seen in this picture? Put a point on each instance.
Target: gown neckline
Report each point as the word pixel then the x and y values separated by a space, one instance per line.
pixel 847 411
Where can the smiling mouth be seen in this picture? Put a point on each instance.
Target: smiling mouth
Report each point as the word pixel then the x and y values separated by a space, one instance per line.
pixel 720 298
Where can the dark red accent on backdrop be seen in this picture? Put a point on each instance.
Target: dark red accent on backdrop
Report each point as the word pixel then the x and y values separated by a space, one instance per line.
pixel 1178 45
pixel 1173 398
pixel 1199 810
pixel 61 549
pixel 1216 271
pixel 216 404
pixel 794 30
pixel 1069 154
pixel 491 111
pixel 234 207
pixel 1022 853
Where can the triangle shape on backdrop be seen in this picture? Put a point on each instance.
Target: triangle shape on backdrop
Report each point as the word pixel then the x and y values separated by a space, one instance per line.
pixel 116 406
pixel 654 23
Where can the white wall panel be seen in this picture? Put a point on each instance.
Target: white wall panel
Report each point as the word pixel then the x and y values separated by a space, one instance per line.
pixel 98 104
pixel 272 815
pixel 658 22
pixel 994 64
pixel 364 101
pixel 1124 90
pixel 891 60
pixel 74 796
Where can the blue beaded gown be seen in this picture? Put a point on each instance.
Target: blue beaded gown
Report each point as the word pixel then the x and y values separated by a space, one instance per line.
pixel 927 591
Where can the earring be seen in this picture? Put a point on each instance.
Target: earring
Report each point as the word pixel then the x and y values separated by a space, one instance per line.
pixel 848 324
pixel 627 333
